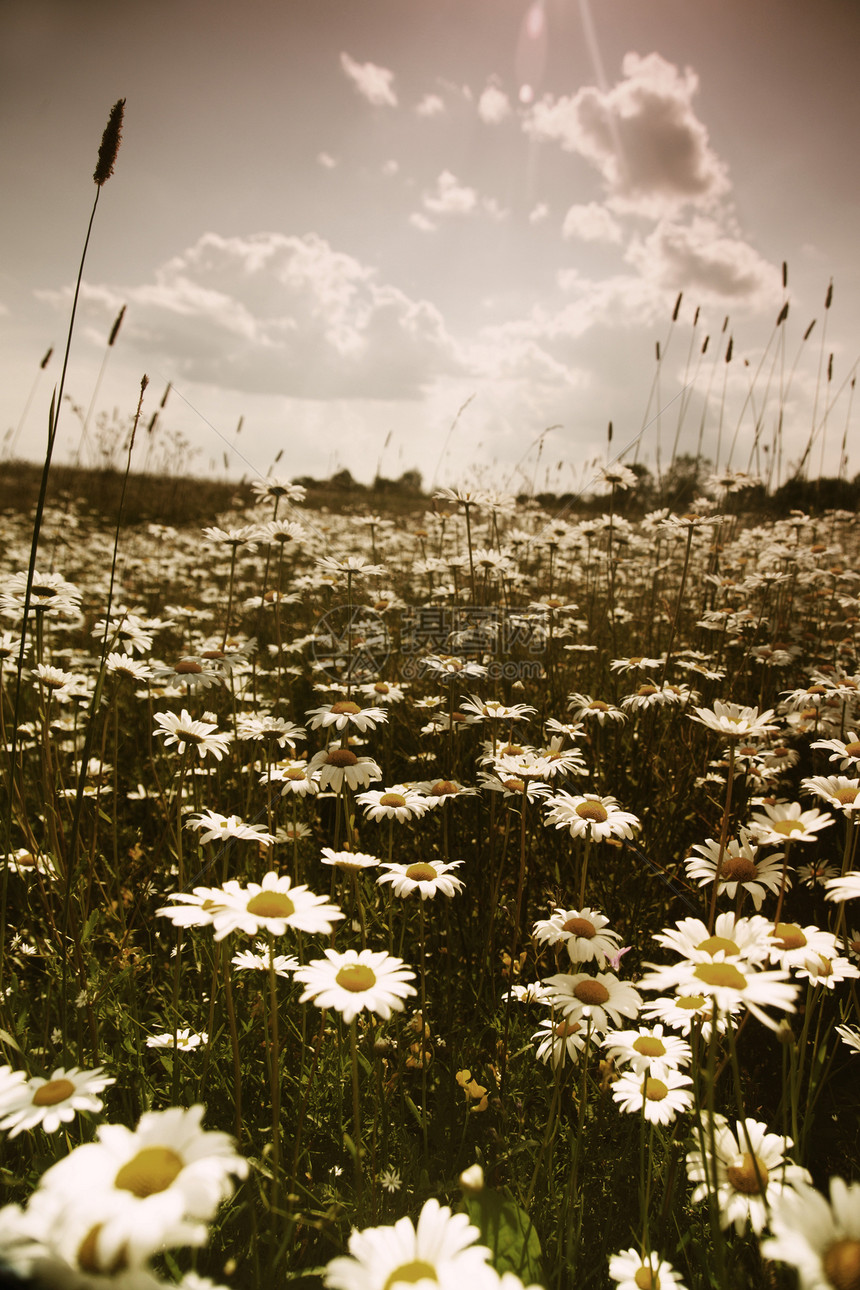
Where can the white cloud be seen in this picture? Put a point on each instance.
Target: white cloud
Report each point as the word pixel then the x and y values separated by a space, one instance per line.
pixel 493 208
pixel 276 314
pixel 538 213
pixel 430 105
pixel 326 160
pixel 391 167
pixel 643 135
pixel 493 105
pixel 591 223
pixel 422 223
pixel 703 260
pixel 372 82
pixel 450 197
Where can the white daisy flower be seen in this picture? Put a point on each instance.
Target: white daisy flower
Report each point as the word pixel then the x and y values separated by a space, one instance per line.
pixel 847 888
pixel 750 1168
pixel 398 803
pixel 186 1040
pixel 583 932
pixel 440 1249
pixel 339 766
pixel 633 1269
pixel 357 980
pixel 213 826
pixel 272 906
pixel 837 790
pixel 786 822
pixel 648 1049
pixel 733 721
pixel 601 997
pixel 345 714
pixel 820 1240
pixel 740 867
pixel 166 1168
pixel 658 1097
pixel 182 731
pixel 424 876
pixel 54 1101
pixel 351 861
pixel 559 1039
pixel 846 752
pixel 588 815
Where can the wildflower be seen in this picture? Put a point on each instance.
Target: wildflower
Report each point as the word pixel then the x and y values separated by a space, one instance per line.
pixel 817 873
pixel 750 1168
pixel 745 939
pixel 440 1249
pixel 558 1039
pixel 263 726
pixel 827 971
pixel 648 1049
pixel 681 1011
pixel 294 778
pixel 820 1240
pixel 272 907
pixel 847 888
pixel 351 861
pixel 54 1101
pixel 425 877
pixel 166 1171
pixel 492 710
pixel 582 932
pixel 658 1096
pixel 277 488
pixel 633 1270
pixel 846 752
pixel 590 816
pixel 850 1036
pixel 584 708
pixel 355 980
pixel 185 1041
pixel 193 909
pixel 282 964
pixel 793 944
pixel 786 822
pixel 734 721
pixel 182 730
pixel 837 790
pixel 341 766
pixel 193 673
pixel 389 1179
pixel 344 715
pixel 398 803
pixel 353 566
pixel 211 825
pixel 600 997
pixel 740 867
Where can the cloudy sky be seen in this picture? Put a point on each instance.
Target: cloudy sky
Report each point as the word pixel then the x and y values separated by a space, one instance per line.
pixel 436 234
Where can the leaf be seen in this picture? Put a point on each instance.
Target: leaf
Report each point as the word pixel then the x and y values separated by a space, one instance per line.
pixel 509 1232
pixel 7 1039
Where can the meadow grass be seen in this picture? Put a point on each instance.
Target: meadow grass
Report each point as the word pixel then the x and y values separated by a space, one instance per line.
pixel 461 898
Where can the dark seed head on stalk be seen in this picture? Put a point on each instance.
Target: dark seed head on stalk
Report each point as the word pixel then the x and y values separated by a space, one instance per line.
pixel 110 144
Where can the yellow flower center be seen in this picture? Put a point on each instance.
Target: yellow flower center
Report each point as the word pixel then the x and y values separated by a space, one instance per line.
pixel 788 936
pixel 690 1002
pixel 392 799
pixel 645 1279
pixel 357 978
pixel 443 787
pixel 56 1090
pixel 721 975
pixel 598 705
pixel 564 1029
pixel 296 773
pixel 786 827
pixel 188 666
pixel 645 690
pixel 737 869
pixel 743 1177
pixel 841 1264
pixel 592 811
pixel 712 944
pixel 590 991
pixel 845 796
pixel 344 708
pixel 853 750
pixel 514 785
pixel 421 873
pixel 655 1089
pixel 580 927
pixel 649 1046
pixel 341 757
pixel 270 904
pixel 380 687
pixel 411 1273
pixel 152 1170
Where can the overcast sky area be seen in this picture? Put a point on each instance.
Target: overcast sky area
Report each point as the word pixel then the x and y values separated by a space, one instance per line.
pixel 436 234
